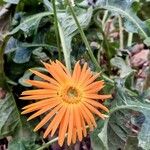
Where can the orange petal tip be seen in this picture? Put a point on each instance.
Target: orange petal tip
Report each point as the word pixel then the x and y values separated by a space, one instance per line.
pixel 22 113
pixel 29 119
pixel 106 116
pixel 22 98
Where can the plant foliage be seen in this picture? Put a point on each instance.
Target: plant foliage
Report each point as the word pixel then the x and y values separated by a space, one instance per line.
pixel 103 33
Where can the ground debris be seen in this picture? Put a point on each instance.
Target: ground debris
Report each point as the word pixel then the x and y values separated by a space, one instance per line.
pixel 2 93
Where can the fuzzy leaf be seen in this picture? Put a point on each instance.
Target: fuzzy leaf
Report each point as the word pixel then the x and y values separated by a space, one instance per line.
pixel 22 55
pixel 131 143
pixel 30 24
pixel 144 135
pixel 9 115
pixel 28 74
pixel 68 29
pixel 11 123
pixel 125 70
pixel 124 9
pixel 12 1
pixel 95 141
pixel 114 133
pixel 14 45
pixel 40 54
pixel 48 5
pixel 24 137
pixel 22 145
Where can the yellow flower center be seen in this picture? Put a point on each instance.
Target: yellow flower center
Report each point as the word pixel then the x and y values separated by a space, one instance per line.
pixel 72 92
pixel 71 95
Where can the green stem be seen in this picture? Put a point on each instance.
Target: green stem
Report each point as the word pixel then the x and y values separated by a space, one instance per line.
pixel 66 52
pixel 2 74
pixel 130 37
pixel 127 15
pixel 146 84
pixel 106 78
pixel 104 19
pixel 120 32
pixel 84 37
pixel 56 29
pixel 98 68
pixel 48 144
pixel 105 43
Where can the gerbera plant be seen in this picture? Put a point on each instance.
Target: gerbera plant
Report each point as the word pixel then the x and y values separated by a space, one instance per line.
pixel 91 43
pixel 67 100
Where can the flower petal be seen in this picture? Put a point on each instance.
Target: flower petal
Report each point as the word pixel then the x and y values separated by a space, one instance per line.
pixel 63 127
pixel 39 92
pixel 74 135
pixel 76 73
pixel 38 97
pixel 97 96
pixel 91 108
pixel 40 84
pixel 40 103
pixel 55 122
pixel 83 126
pixel 94 77
pixel 45 77
pixel 78 122
pixel 96 104
pixel 90 115
pixel 48 117
pixel 94 87
pixel 64 68
pixel 87 119
pixel 38 113
pixel 58 74
pixel 50 105
pixel 71 125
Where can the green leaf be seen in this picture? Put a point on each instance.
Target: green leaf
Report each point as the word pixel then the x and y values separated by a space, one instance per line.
pixel 28 74
pixel 129 26
pixel 125 69
pixel 22 145
pixel 132 143
pixel 24 137
pixel 30 24
pixel 39 54
pixel 114 133
pixel 68 28
pixel 95 141
pixel 22 55
pixel 48 5
pixel 14 45
pixel 12 1
pixel 21 52
pixel 144 135
pixel 11 123
pixel 124 9
pixel 9 115
pixel 147 41
pixel 103 136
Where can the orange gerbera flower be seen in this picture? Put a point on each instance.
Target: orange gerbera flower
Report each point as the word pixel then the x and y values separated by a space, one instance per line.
pixel 70 101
